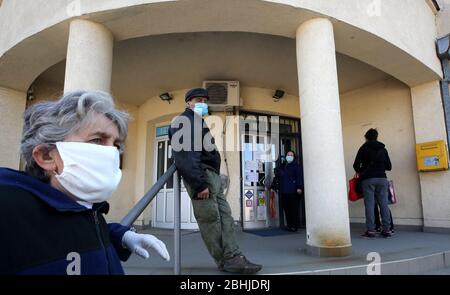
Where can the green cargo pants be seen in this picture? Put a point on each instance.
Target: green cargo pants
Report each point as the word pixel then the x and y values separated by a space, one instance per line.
pixel 214 219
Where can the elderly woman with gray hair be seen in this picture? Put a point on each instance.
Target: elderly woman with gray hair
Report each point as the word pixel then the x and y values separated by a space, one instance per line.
pixel 51 215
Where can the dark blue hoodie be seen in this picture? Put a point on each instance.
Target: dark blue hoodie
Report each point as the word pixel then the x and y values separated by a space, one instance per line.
pixel 288 178
pixel 42 230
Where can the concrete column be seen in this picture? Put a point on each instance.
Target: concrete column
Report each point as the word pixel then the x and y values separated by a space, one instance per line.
pixel 327 217
pixel 89 57
pixel 12 106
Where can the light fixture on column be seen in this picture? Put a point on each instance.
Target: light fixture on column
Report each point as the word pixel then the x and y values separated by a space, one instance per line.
pixel 166 97
pixel 278 95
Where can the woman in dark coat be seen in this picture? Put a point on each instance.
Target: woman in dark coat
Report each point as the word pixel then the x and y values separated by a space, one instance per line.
pixel 288 182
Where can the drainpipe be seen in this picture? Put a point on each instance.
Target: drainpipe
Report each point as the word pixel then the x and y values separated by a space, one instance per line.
pixel 443 51
pixel 436 5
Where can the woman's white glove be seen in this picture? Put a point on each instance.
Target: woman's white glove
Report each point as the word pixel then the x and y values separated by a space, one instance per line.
pixel 138 243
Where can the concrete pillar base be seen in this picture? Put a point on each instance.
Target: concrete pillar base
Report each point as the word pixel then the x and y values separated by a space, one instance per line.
pixel 329 251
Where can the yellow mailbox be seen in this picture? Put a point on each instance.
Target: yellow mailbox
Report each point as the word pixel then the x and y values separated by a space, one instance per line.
pixel 432 156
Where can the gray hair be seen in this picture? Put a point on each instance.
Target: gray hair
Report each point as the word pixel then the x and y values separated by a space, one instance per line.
pixel 53 121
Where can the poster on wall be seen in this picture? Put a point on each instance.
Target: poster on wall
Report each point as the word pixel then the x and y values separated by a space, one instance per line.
pixel 261 213
pixel 260 166
pixel 251 165
pixel 260 155
pixel 249 194
pixel 251 215
pixel 261 198
pixel 251 176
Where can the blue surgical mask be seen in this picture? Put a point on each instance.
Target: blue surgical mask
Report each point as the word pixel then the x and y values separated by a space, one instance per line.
pixel 289 159
pixel 201 109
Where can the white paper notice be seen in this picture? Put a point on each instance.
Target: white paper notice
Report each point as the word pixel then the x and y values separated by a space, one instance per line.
pixel 260 166
pixel 251 176
pixel 261 213
pixel 260 155
pixel 251 165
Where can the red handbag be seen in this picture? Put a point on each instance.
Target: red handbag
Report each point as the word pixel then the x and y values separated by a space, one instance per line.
pixel 353 196
pixel 392 198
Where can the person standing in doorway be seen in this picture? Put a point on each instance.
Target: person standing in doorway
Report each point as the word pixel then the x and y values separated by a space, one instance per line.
pixel 288 182
pixel 371 163
pixel 198 161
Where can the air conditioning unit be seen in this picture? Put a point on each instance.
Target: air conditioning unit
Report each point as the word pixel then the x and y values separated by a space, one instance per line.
pixel 222 94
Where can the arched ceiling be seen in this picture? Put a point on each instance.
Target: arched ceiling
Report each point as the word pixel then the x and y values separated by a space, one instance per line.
pixel 372 40
pixel 148 66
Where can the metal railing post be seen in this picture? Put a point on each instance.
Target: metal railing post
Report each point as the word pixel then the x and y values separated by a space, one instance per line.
pixel 134 213
pixel 177 223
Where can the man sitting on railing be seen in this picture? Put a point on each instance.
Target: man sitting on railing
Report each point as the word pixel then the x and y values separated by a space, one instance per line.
pixel 198 161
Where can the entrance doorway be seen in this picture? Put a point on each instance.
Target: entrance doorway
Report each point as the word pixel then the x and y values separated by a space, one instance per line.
pixel 290 140
pixel 260 207
pixel 163 210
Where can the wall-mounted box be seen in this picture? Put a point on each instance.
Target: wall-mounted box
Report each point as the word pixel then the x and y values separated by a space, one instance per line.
pixel 432 156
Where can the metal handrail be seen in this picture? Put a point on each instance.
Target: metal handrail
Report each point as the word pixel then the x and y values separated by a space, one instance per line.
pixel 137 210
pixel 148 197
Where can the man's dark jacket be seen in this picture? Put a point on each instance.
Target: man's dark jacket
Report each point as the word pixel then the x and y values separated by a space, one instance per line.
pixel 372 160
pixel 200 154
pixel 40 226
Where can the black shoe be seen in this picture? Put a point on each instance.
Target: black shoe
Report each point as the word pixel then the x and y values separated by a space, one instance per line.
pixel 386 234
pixel 240 264
pixel 379 229
pixel 368 235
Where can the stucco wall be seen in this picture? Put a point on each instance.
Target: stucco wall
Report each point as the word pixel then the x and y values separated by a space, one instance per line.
pixel 12 105
pixel 443 18
pixel 123 198
pixel 156 112
pixel 386 106
pixel 429 126
pixel 150 115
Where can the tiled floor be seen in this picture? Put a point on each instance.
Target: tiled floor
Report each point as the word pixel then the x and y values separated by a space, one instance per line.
pixel 405 253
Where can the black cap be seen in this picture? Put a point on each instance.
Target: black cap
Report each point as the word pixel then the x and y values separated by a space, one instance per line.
pixel 196 92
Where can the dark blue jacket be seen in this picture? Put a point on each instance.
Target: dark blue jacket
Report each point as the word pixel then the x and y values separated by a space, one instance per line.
pixel 40 226
pixel 288 178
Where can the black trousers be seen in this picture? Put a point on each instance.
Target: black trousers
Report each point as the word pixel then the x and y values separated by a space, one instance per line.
pixel 291 208
pixel 377 218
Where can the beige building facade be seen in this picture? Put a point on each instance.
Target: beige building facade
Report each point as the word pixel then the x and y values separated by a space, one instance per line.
pixel 345 67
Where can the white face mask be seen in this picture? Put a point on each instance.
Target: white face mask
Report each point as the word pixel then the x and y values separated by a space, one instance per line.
pixel 91 171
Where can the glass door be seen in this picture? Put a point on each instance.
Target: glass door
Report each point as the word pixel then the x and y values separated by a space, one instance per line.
pixel 258 163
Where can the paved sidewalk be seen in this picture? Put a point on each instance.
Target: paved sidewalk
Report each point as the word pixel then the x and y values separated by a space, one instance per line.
pixel 405 253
